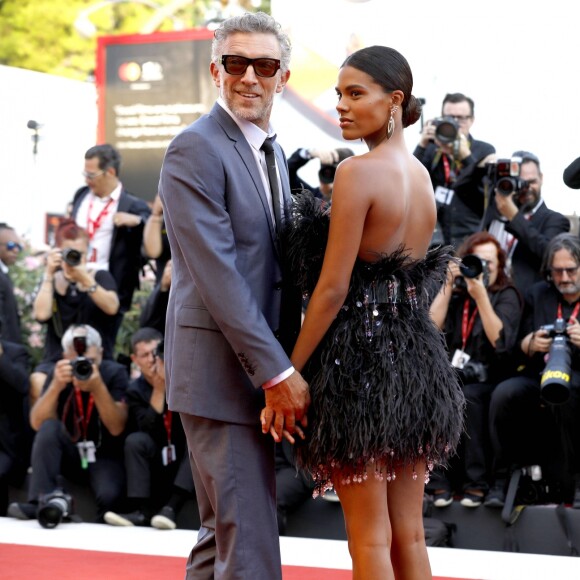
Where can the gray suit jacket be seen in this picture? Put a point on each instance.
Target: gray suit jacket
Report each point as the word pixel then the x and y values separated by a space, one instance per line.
pixel 226 291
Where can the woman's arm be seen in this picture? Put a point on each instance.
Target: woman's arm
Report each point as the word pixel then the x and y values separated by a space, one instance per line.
pixel 350 206
pixel 440 304
pixel 492 323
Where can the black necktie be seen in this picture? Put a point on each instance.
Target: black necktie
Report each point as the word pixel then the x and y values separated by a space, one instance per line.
pixel 268 149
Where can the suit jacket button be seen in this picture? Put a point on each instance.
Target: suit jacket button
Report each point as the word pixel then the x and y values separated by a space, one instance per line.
pixel 278 285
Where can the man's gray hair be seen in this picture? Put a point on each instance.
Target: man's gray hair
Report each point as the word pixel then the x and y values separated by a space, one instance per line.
pixel 93 337
pixel 248 23
pixel 564 241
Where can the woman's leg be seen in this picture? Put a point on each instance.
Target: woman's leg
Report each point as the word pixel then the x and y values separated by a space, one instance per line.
pixel 405 500
pixel 367 527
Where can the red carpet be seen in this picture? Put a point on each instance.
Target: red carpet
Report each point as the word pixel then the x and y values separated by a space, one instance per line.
pixel 18 562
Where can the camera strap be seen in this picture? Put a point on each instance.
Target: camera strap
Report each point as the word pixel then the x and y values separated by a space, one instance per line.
pixel 84 416
pixel 94 224
pixel 574 312
pixel 467 323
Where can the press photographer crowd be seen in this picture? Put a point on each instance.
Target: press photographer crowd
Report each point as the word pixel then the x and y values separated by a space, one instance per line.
pixel 89 414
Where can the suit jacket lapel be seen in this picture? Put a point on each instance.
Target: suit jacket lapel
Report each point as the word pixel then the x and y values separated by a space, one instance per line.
pixel 247 157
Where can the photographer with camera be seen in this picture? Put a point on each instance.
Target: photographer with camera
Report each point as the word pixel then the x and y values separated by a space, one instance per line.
pixel 518 216
pixel 329 160
pixel 450 154
pixel 479 311
pixel 71 293
pixel 80 420
pixel 534 416
pixel 159 479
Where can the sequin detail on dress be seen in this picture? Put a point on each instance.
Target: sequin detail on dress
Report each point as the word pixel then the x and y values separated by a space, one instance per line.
pixel 384 394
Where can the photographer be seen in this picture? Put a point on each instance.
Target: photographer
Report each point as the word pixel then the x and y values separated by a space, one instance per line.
pixel 449 152
pixel 70 293
pixel 528 426
pixel 80 419
pixel 519 218
pixel 159 479
pixel 479 310
pixel 329 160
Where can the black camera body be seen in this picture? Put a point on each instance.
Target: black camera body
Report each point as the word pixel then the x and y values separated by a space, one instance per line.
pixel 446 129
pixel 474 372
pixel 82 367
pixel 71 256
pixel 53 508
pixel 555 381
pixel 504 176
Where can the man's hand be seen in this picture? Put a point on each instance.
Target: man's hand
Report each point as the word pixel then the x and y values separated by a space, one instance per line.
pixel 286 406
pixel 506 206
pixel 93 383
pixel 326 156
pixel 540 341
pixel 62 374
pixel 124 219
pixel 573 331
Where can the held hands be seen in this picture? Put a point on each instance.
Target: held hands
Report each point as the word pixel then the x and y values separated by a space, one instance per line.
pixel 285 412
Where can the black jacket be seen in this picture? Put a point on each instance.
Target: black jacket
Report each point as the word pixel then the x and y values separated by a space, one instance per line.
pixel 533 237
pixel 462 217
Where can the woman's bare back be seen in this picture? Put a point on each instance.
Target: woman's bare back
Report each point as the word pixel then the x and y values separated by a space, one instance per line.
pixel 401 204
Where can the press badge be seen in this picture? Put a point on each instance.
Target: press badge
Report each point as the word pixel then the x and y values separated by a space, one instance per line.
pixel 460 359
pixel 443 195
pixel 87 452
pixel 168 454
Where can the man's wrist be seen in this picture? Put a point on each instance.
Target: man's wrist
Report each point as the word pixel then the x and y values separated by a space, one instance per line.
pixel 278 379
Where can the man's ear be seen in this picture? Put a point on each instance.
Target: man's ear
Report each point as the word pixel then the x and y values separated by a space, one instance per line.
pixel 282 82
pixel 215 73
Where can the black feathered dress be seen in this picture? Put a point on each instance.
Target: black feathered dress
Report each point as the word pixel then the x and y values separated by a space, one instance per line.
pixel 383 391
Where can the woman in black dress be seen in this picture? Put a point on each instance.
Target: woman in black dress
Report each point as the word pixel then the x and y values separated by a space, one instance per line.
pixel 386 405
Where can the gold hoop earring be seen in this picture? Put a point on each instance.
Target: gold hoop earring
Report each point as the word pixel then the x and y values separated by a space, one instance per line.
pixel 391 125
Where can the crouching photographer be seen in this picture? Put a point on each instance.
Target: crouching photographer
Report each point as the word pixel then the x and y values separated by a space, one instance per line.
pixel 79 418
pixel 534 416
pixel 479 311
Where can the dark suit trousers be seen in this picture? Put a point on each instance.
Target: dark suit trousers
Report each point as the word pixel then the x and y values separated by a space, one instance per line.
pixel 233 472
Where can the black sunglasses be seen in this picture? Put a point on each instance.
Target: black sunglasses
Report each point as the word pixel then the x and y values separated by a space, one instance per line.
pixel 237 65
pixel 13 246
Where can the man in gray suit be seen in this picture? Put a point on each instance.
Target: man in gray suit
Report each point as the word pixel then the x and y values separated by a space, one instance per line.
pixel 231 308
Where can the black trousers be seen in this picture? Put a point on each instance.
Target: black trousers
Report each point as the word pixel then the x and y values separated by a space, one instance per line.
pixel 54 454
pixel 527 431
pixel 145 469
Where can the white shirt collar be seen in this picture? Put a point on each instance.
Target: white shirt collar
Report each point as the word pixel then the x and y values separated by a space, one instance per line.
pixel 253 134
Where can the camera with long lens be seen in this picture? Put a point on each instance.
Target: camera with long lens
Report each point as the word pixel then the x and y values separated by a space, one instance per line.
pixel 555 382
pixel 471 266
pixel 82 367
pixel 446 129
pixel 504 176
pixel 53 508
pixel 71 256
